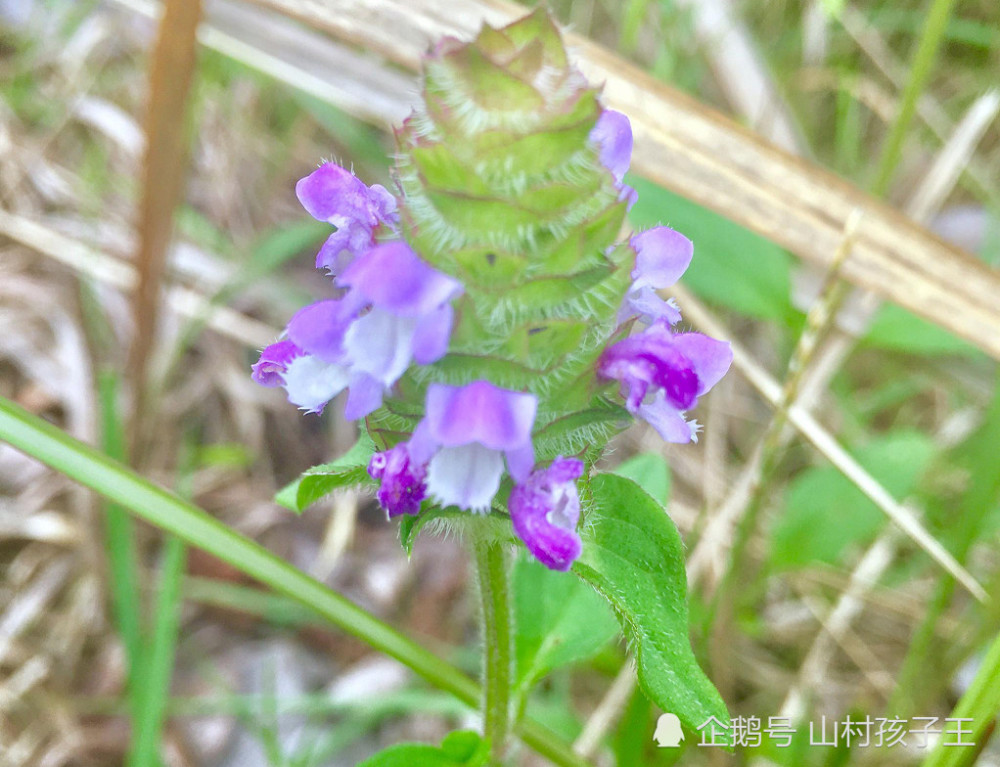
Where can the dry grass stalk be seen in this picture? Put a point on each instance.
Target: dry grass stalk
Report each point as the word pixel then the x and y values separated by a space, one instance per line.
pixel 606 713
pixel 748 490
pixel 301 59
pixel 706 157
pixel 742 72
pixel 170 79
pixel 109 270
pixel 812 671
pixel 827 445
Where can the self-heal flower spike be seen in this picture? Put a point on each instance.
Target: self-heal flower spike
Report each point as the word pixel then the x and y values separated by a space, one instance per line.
pixel 662 255
pixel 335 195
pixel 464 437
pixel 545 510
pixel 479 339
pixel 663 373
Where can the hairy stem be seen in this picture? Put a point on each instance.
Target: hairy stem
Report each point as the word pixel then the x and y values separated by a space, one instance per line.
pixel 491 565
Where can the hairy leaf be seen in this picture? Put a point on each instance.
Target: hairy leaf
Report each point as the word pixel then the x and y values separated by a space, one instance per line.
pixel 559 620
pixel 348 470
pixel 633 556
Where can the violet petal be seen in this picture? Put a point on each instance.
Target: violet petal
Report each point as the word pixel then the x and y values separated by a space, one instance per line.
pixel 274 361
pixel 380 344
pixel 364 396
pixel 467 476
pixel 545 510
pixel 645 303
pixel 711 358
pixel 331 193
pixel 668 421
pixel 311 382
pixel 319 328
pixel 662 256
pixel 393 277
pixel 480 412
pixel 431 335
pixel 613 136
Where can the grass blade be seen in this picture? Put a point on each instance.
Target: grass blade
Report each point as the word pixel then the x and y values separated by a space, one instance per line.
pixel 980 703
pixel 120 536
pixel 158 664
pixel 91 468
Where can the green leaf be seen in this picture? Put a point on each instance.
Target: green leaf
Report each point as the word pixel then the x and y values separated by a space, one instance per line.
pixel 650 472
pixel 732 266
pixel 979 705
pixel 459 749
pixel 825 513
pixel 559 620
pixel 896 329
pixel 633 556
pixel 411 525
pixel 348 470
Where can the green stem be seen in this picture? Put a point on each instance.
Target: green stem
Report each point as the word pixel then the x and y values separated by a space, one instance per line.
pixel 497 638
pixel 980 704
pixel 920 69
pixel 91 468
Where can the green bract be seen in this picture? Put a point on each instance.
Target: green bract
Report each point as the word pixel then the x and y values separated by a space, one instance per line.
pixel 503 190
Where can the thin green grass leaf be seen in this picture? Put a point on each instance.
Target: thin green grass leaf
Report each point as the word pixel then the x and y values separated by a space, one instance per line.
pixel 82 463
pixel 120 536
pixel 159 660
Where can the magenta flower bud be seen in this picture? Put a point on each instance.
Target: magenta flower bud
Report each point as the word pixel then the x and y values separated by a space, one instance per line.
pixel 662 374
pixel 545 510
pixel 274 361
pixel 403 486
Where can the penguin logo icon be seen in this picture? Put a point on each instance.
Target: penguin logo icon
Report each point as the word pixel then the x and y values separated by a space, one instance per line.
pixel 668 731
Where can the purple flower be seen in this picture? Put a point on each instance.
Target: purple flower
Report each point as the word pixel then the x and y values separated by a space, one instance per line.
pixel 662 255
pixel 331 193
pixel 545 510
pixel 274 361
pixel 396 309
pixel 613 135
pixel 321 370
pixel 663 373
pixel 309 380
pixel 464 437
pixel 409 318
pixel 403 486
